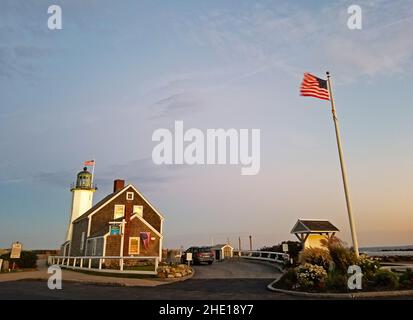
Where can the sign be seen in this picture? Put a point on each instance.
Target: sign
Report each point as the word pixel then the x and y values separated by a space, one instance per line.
pixel 16 250
pixel 115 230
pixel 189 256
pixel 285 247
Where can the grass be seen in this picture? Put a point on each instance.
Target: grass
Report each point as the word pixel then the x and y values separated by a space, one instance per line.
pixel 140 268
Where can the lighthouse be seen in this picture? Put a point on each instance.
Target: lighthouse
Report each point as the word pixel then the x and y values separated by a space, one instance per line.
pixel 82 198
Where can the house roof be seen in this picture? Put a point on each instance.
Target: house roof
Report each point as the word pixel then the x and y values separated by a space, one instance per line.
pixel 109 197
pixel 313 226
pixel 99 204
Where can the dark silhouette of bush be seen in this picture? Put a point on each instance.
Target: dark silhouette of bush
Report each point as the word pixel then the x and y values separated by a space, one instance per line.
pixel 28 259
pixel 294 248
pixel 386 278
pixel 406 279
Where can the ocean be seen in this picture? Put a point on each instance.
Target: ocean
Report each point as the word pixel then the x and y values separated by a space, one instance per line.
pixel 388 251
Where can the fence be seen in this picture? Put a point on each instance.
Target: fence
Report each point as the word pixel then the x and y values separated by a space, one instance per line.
pixel 277 257
pixel 109 264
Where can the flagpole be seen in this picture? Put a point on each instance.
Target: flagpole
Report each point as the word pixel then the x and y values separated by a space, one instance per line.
pixel 343 169
pixel 93 171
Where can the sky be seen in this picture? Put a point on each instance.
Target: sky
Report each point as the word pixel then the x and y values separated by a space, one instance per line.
pixel 117 71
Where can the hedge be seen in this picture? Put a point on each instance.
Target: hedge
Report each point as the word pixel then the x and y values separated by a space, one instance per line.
pixel 28 259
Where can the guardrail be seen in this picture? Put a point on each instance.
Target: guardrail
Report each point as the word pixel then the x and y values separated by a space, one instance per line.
pixel 109 264
pixel 277 257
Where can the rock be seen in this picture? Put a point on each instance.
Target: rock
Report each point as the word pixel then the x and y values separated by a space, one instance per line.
pixel 178 275
pixel 171 276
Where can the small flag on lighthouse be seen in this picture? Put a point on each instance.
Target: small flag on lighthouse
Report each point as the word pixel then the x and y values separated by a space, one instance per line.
pixel 311 86
pixel 89 163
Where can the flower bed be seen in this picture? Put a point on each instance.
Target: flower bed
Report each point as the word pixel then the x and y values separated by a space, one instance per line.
pixel 325 271
pixel 173 271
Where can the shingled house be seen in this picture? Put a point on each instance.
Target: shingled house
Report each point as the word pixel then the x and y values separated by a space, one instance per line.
pixel 122 223
pixel 310 232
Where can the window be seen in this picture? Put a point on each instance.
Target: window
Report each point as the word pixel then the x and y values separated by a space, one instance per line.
pixel 119 211
pixel 134 245
pixel 138 210
pixel 129 195
pixel 94 247
pixel 82 241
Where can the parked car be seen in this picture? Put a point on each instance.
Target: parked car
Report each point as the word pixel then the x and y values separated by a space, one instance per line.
pixel 199 255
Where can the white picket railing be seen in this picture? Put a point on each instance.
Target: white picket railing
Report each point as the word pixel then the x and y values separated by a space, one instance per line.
pixel 277 257
pixel 96 263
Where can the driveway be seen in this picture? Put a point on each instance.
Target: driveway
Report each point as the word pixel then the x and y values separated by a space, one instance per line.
pixel 237 269
pixel 227 280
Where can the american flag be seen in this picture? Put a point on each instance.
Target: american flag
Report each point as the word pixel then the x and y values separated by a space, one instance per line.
pixel 146 238
pixel 311 86
pixel 89 163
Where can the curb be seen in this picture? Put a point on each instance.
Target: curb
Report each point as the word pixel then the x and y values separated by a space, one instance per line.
pixel 356 295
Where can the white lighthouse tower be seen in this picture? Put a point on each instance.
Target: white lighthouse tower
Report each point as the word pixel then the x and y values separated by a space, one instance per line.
pixel 82 198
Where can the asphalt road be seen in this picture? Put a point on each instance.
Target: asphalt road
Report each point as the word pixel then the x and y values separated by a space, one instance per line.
pixel 222 280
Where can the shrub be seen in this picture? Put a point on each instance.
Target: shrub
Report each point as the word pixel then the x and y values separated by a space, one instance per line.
pixel 369 266
pixel 28 259
pixel 336 281
pixel 310 275
pixel 294 247
pixel 406 278
pixel 342 258
pixel 317 256
pixel 386 278
pixel 290 278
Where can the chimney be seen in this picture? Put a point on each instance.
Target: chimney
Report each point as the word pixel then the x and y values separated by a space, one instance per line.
pixel 118 184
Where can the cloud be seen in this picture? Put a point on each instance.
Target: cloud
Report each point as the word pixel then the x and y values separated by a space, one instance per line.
pixel 178 105
pixel 143 172
pixel 317 37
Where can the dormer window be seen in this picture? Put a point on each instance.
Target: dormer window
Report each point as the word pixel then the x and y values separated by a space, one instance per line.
pixel 129 195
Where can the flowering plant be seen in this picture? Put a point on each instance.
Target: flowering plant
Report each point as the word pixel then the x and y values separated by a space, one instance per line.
pixel 310 275
pixel 368 265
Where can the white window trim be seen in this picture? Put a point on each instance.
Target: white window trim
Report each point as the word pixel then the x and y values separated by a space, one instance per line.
pixel 114 210
pixel 94 244
pixel 139 245
pixel 82 241
pixel 130 194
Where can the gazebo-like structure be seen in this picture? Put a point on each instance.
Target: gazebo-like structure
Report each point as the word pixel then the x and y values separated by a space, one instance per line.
pixel 310 232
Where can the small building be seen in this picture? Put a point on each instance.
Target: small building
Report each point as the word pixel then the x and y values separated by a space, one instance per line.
pixel 310 232
pixel 124 223
pixel 223 251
